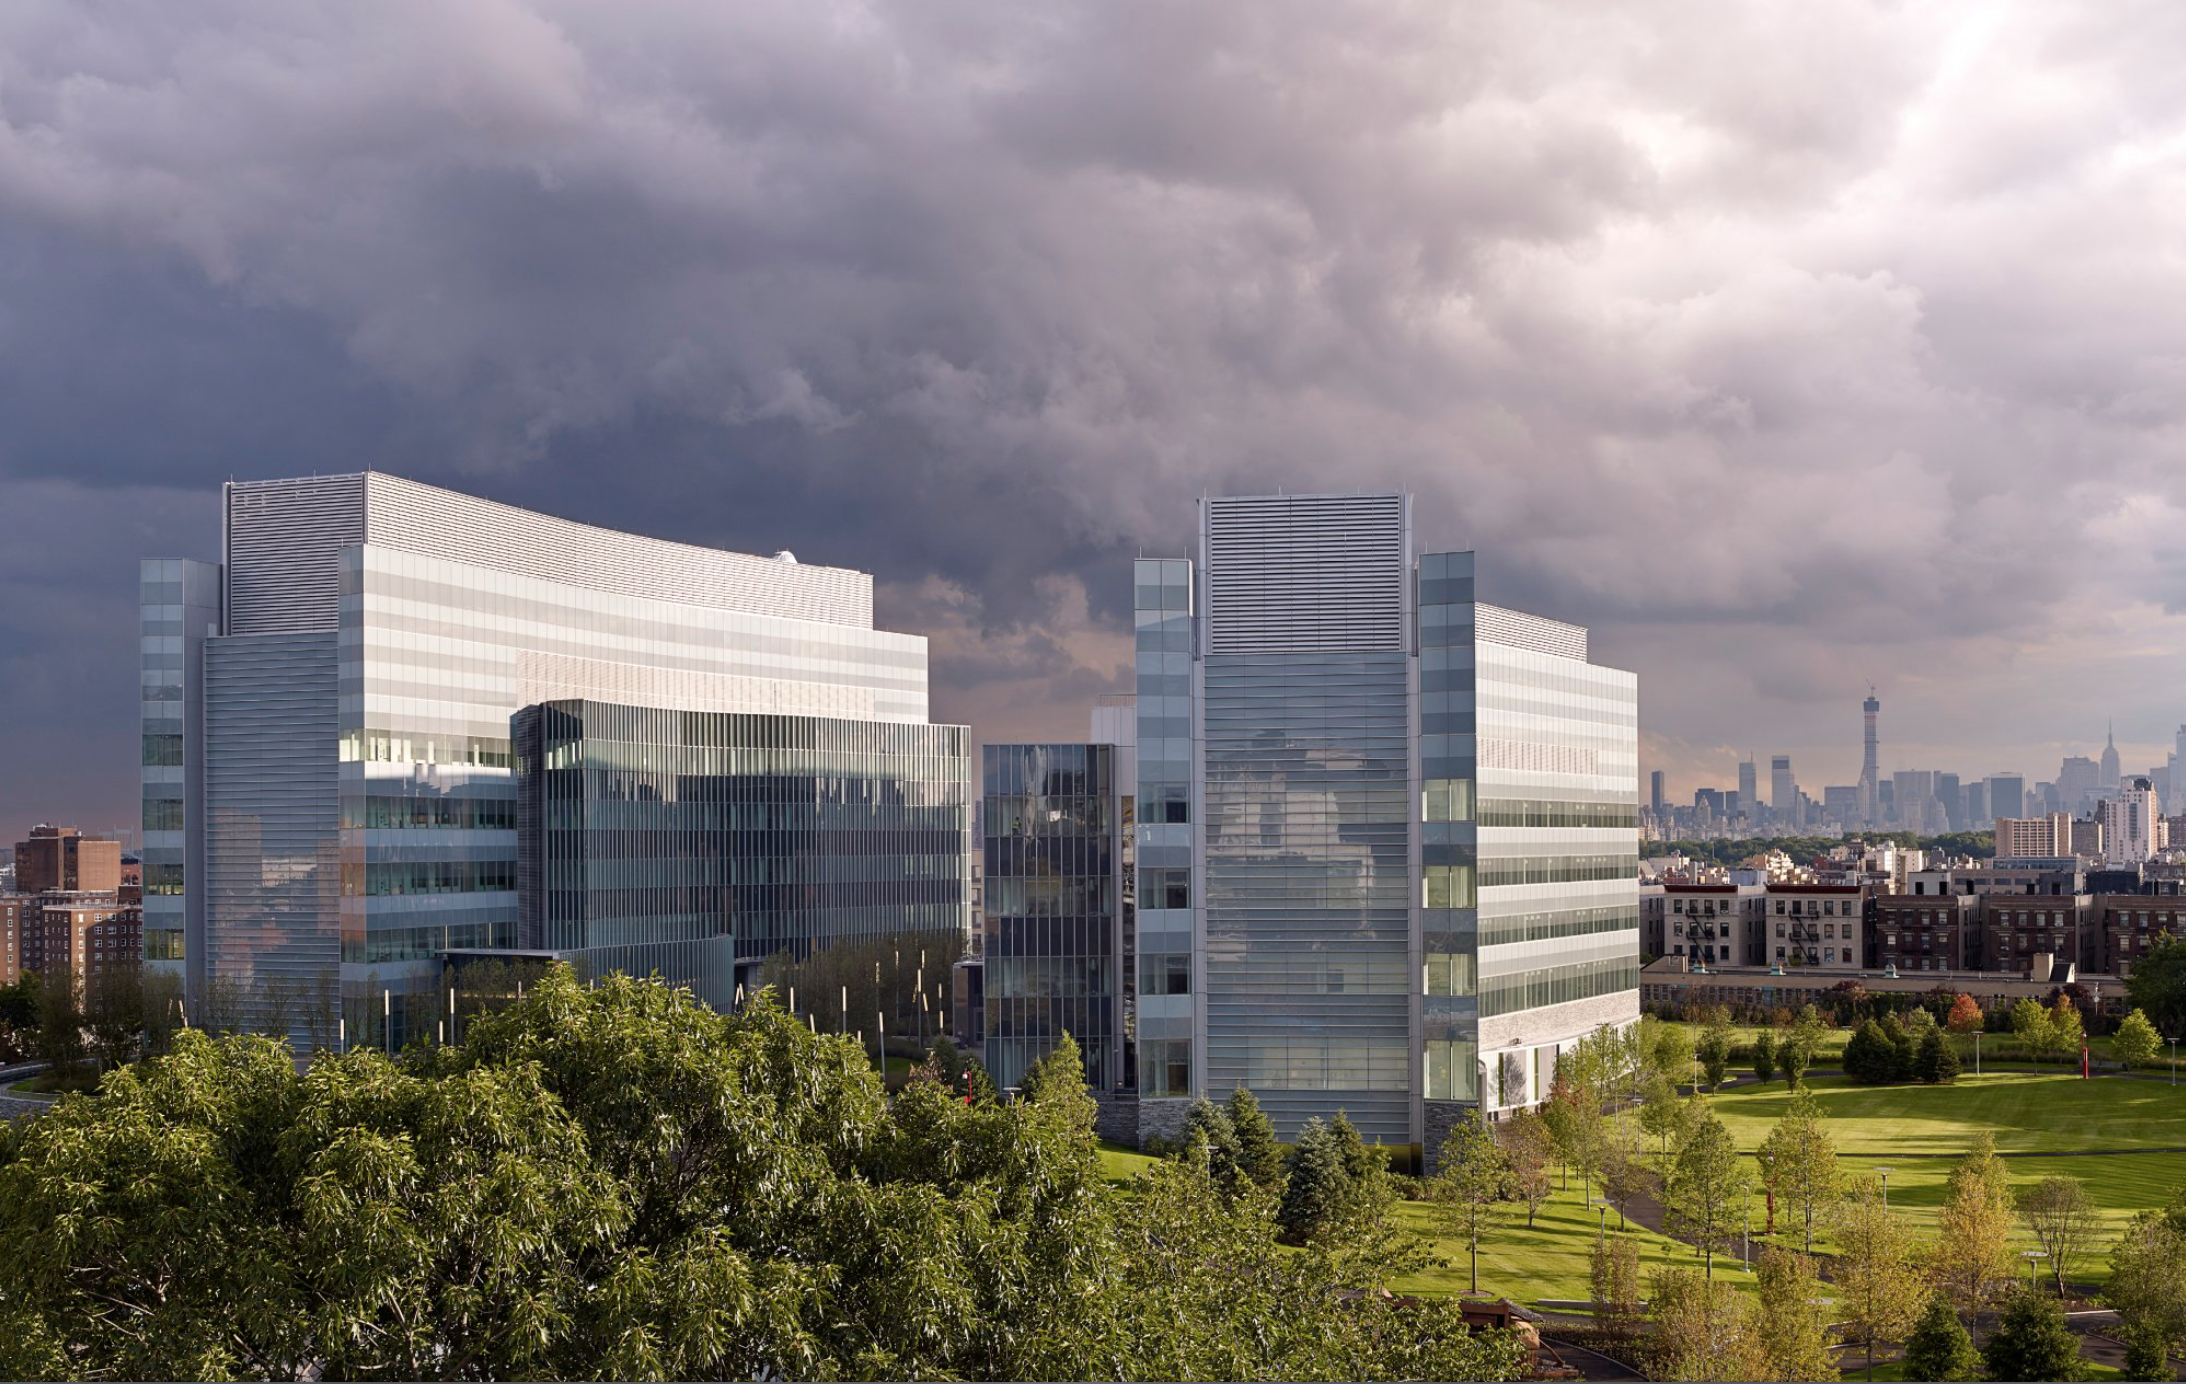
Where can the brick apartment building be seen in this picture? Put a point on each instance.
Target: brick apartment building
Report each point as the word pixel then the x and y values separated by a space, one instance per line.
pixel 64 858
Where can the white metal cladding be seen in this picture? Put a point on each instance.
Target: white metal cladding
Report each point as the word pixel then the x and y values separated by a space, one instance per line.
pixel 284 537
pixel 1305 573
pixel 444 523
pixel 558 677
pixel 1522 631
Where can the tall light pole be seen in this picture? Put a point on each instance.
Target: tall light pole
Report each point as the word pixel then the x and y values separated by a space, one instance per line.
pixel 1885 1187
pixel 2031 1256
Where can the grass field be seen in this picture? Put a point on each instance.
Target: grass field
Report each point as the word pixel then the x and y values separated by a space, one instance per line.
pixel 1120 1163
pixel 1551 1260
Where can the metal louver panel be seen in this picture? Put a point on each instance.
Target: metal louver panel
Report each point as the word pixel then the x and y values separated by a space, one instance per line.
pixel 284 541
pixel 1305 573
pixel 1518 630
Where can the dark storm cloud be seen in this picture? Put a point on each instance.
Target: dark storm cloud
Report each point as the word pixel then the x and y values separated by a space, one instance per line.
pixel 1788 346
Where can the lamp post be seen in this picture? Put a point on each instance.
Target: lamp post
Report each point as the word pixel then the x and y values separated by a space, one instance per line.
pixel 1977 1052
pixel 2031 1256
pixel 1745 1226
pixel 1885 1187
pixel 1601 1228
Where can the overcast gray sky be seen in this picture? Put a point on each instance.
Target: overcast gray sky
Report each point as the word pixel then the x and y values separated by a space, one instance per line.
pixel 1788 346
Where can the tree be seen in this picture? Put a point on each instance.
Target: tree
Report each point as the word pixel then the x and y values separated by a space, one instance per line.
pixel 1210 1140
pixel 1259 1152
pixel 1672 1054
pixel 1663 1112
pixel 2064 1221
pixel 2157 985
pixel 2136 1041
pixel 1878 1278
pixel 2032 1341
pixel 1789 1322
pixel 1973 1246
pixel 1714 1048
pixel 1965 1017
pixel 1803 1162
pixel 1626 1173
pixel 1937 1064
pixel 1615 1279
pixel 2148 1292
pixel 61 1022
pixel 2066 1030
pixel 2030 1025
pixel 1529 1145
pixel 617 1182
pixel 1904 1049
pixel 1473 1184
pixel 1317 1195
pixel 1939 1348
pixel 1797 1053
pixel 1702 1331
pixel 1870 1058
pixel 1705 1187
pixel 1764 1058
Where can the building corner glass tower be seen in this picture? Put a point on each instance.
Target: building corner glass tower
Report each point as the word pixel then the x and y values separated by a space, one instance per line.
pixel 1387 839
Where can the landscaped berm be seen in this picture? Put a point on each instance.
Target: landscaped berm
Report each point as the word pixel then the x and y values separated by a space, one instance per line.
pixel 2020 1224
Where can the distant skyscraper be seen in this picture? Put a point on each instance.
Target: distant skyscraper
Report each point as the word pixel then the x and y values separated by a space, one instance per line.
pixel 1654 797
pixel 1783 790
pixel 2079 782
pixel 1951 799
pixel 2007 795
pixel 1977 805
pixel 2178 773
pixel 1749 786
pixel 2132 824
pixel 2110 762
pixel 1870 768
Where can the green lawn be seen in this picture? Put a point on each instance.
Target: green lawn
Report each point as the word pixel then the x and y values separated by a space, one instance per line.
pixel 1120 1162
pixel 1550 1260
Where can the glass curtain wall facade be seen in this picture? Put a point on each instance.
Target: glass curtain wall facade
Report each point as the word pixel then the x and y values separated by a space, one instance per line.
pixel 687 842
pixel 1055 907
pixel 180 604
pixel 1411 821
pixel 442 615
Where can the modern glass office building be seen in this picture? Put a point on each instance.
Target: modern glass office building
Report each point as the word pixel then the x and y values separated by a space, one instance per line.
pixel 1388 834
pixel 328 717
pixel 700 843
pixel 1058 906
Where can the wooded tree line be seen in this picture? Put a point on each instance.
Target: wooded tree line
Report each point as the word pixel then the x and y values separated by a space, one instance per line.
pixel 617 1182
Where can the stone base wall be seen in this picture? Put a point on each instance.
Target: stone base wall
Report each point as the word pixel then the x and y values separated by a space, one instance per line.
pixel 1118 1118
pixel 1558 1023
pixel 1162 1119
pixel 1442 1117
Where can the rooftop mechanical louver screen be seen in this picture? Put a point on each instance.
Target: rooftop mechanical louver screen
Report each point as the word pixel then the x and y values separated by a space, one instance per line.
pixel 1305 573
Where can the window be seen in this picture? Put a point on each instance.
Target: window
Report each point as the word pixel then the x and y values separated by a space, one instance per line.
pixel 1165 1067
pixel 1448 886
pixel 1447 800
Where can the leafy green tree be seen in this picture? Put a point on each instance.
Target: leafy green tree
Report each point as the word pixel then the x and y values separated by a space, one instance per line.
pixel 1972 1258
pixel 61 1022
pixel 1802 1161
pixel 2148 1292
pixel 1764 1057
pixel 1664 1114
pixel 1317 1195
pixel 1796 1053
pixel 1904 1049
pixel 1211 1140
pixel 1789 1321
pixel 2030 1025
pixel 617 1182
pixel 1366 1168
pixel 2066 1029
pixel 1706 1188
pixel 2032 1341
pixel 1474 1183
pixel 1259 1152
pixel 1939 1348
pixel 1879 1283
pixel 1671 1054
pixel 1714 1048
pixel 2136 1041
pixel 2157 985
